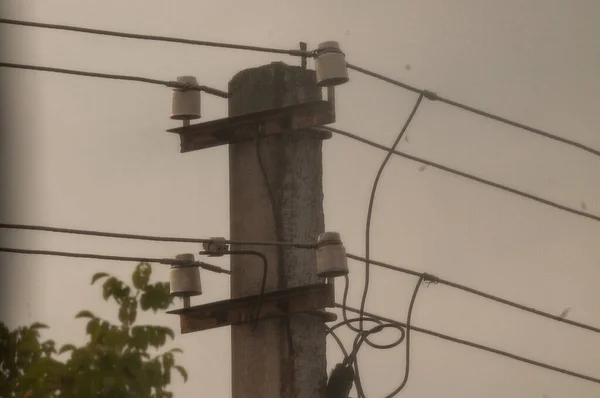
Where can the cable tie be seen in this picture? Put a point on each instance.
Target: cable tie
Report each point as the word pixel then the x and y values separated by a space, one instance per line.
pixel 210 267
pixel 430 95
pixel 429 279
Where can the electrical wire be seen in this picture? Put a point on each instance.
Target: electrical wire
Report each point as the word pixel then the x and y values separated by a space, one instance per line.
pixel 263 284
pixel 213 268
pixel 363 335
pixel 172 84
pixel 303 53
pixel 298 53
pixel 434 97
pixel 476 345
pixel 300 245
pixel 372 202
pixel 275 211
pixel 344 307
pixel 331 331
pixel 435 279
pixel 463 174
pixel 167 261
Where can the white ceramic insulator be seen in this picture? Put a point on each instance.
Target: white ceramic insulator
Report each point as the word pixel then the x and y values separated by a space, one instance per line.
pixel 185 279
pixel 330 65
pixel 331 256
pixel 186 103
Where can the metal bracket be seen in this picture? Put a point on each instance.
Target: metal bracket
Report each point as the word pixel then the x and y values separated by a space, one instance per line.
pixel 303 116
pixel 304 299
pixel 216 247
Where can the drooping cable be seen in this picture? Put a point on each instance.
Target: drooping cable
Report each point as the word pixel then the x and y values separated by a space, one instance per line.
pixel 434 97
pixel 372 202
pixel 172 84
pixel 275 211
pixel 476 345
pixel 298 53
pixel 463 174
pixel 265 268
pixel 362 337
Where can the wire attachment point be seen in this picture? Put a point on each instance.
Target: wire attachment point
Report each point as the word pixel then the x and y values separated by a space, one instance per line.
pixel 216 247
pixel 429 279
pixel 430 95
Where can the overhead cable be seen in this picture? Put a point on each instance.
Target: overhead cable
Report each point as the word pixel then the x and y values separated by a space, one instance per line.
pixel 435 97
pixel 172 84
pixel 463 174
pixel 301 245
pixel 372 203
pixel 476 345
pixel 363 336
pixel 298 53
pixel 480 293
pixel 303 53
pixel 293 244
pixel 167 261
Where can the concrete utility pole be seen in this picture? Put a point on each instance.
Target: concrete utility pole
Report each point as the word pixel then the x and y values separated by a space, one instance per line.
pixel 285 357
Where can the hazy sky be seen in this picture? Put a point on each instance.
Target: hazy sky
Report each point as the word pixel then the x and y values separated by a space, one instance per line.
pixel 90 153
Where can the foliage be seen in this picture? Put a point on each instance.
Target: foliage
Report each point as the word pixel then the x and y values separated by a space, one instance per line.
pixel 115 361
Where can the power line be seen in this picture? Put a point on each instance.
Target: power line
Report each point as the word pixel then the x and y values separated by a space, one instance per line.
pixel 435 279
pixel 434 97
pixel 303 53
pixel 347 308
pixel 265 266
pixel 173 84
pixel 362 337
pixel 463 174
pixel 303 245
pixel 300 245
pixel 475 345
pixel 372 202
pixel 292 244
pixel 167 261
pixel 298 53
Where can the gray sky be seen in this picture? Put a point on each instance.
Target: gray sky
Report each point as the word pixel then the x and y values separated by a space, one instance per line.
pixel 89 153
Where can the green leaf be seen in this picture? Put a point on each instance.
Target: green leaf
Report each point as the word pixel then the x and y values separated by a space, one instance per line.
pixel 98 275
pixel 140 337
pixel 116 289
pixel 145 301
pixel 166 331
pixel 156 297
pixel 168 361
pixel 65 348
pixel 92 327
pixel 141 276
pixel 38 325
pixel 128 311
pixel 48 347
pixel 182 372
pixel 85 314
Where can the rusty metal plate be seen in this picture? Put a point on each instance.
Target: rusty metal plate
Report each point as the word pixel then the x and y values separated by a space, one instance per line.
pixel 246 127
pixel 309 298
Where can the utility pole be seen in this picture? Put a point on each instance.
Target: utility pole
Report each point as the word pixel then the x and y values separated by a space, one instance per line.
pixel 283 357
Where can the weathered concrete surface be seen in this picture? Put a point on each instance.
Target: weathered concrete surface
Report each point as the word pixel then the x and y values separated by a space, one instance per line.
pixel 265 362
